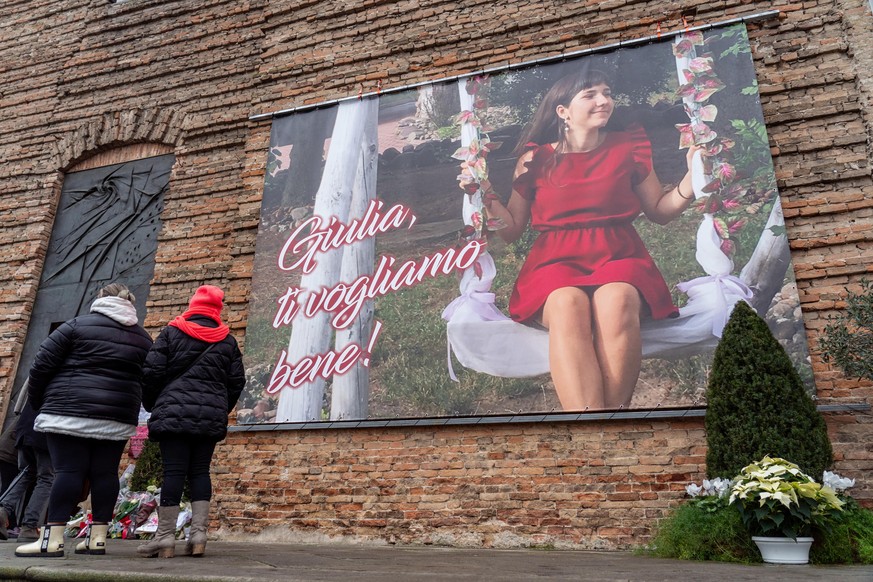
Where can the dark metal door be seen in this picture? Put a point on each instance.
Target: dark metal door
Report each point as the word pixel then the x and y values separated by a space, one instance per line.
pixel 105 231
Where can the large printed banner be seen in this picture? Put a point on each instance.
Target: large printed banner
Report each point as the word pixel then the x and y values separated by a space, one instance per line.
pixel 558 237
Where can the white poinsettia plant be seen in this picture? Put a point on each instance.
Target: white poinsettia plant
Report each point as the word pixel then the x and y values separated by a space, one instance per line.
pixel 776 498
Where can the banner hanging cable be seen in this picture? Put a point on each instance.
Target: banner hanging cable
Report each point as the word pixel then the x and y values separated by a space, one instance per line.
pixel 760 16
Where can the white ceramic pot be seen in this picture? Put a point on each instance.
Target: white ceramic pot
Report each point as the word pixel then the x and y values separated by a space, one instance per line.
pixel 779 550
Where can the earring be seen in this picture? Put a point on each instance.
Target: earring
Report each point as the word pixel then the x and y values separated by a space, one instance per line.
pixel 566 126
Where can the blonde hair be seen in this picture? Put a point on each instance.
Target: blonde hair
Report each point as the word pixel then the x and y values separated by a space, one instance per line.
pixel 116 290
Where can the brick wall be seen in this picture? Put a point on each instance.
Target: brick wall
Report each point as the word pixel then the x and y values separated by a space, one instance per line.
pixel 79 78
pixel 563 485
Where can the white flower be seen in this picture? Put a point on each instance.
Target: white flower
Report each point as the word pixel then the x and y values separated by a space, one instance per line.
pixel 835 482
pixel 721 486
pixel 693 490
pixel 717 486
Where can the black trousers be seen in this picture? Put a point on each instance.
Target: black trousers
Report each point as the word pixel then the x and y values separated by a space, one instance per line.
pixel 186 457
pixel 77 461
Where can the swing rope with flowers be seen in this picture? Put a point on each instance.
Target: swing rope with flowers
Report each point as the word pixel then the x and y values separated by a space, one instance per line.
pixel 484 339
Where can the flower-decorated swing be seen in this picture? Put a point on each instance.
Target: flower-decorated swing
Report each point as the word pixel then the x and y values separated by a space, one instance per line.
pixel 484 339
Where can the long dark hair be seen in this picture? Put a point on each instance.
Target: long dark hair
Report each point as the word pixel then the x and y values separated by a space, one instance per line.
pixel 546 126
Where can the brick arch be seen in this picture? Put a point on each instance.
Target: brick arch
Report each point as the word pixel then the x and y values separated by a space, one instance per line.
pixel 129 134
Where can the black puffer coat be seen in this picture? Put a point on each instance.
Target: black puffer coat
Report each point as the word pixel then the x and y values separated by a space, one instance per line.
pixel 25 436
pixel 90 367
pixel 190 400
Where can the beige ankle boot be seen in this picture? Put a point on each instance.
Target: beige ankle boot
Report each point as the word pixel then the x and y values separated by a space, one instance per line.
pixel 49 545
pixel 196 544
pixel 95 542
pixel 164 543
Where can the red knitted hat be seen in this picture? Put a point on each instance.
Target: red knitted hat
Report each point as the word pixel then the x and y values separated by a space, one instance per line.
pixel 207 300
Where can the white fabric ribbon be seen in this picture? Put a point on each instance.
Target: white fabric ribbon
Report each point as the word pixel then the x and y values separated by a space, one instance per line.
pixel 479 304
pixel 726 290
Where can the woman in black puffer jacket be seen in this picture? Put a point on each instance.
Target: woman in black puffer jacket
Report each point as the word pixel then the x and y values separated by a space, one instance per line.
pixel 85 385
pixel 193 377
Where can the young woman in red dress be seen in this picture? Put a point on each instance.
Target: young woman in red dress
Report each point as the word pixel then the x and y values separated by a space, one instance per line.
pixel 588 278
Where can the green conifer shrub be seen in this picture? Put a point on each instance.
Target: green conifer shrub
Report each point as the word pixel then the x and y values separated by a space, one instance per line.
pixel 148 470
pixel 756 404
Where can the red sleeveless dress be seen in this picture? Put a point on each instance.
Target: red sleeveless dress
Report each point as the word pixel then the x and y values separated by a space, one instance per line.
pixel 583 208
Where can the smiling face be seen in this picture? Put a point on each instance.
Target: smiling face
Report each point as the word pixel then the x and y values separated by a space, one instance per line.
pixel 589 109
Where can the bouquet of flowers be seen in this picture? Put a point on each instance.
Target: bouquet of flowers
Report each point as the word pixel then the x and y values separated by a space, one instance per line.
pixel 131 511
pixel 77 527
pixel 776 498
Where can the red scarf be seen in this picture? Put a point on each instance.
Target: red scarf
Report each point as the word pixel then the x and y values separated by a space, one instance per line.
pixel 208 334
